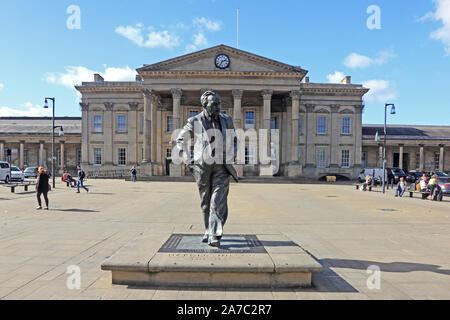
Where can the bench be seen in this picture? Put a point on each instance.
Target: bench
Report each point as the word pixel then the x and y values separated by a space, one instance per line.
pixel 14 185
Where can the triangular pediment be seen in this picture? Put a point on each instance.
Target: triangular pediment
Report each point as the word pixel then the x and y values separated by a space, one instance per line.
pixel 204 61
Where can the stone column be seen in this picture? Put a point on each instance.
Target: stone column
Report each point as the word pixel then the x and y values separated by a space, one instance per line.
pixel 237 111
pixel 176 96
pixel 175 170
pixel 237 120
pixel 21 154
pixel 310 137
pixel 441 158
pixel 266 169
pixel 108 133
pixel 421 159
pixel 147 125
pixel 85 132
pixel 41 153
pixel 155 101
pixel 400 157
pixel 380 156
pixel 61 148
pixel 334 134
pixel 294 167
pixel 2 150
pixel 356 130
pixel 132 133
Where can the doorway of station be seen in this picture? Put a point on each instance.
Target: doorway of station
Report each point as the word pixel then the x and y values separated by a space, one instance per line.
pixel 396 162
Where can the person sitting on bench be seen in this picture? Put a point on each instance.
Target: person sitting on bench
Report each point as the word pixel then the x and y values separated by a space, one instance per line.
pixel 422 186
pixel 367 183
pixel 401 187
pixel 66 177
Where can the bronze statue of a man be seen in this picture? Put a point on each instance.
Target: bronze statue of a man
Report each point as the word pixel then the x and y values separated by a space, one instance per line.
pixel 214 131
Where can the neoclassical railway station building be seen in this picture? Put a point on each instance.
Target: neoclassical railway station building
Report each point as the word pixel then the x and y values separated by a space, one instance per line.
pixel 126 124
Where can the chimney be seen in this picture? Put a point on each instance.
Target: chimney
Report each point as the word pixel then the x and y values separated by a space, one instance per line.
pixel 98 78
pixel 347 80
pixel 305 80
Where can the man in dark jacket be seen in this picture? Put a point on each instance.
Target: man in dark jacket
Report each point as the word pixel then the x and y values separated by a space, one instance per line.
pixel 81 176
pixel 211 173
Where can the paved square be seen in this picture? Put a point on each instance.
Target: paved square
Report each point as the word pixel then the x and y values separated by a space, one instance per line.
pixel 345 229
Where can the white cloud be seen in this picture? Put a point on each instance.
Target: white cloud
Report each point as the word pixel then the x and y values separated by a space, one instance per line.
pixel 75 75
pixel 356 60
pixel 442 14
pixel 208 24
pixel 199 42
pixel 335 77
pixel 380 91
pixel 26 110
pixel 1 86
pixel 148 37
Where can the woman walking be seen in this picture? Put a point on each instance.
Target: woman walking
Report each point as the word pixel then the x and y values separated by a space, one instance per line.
pixel 42 187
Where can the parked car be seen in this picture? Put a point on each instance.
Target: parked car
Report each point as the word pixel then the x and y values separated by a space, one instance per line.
pixel 5 173
pixel 440 175
pixel 445 186
pixel 17 174
pixel 413 176
pixel 396 173
pixel 31 172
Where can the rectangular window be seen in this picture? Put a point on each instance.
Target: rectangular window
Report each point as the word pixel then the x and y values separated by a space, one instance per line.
pixel 142 124
pixel 78 156
pixel 300 125
pixel 121 123
pixel 193 113
pixel 417 160
pixel 97 156
pixel 345 125
pixel 169 127
pixel 321 125
pixel 98 123
pixel 168 153
pixel 345 163
pixel 249 120
pixel 300 155
pixel 364 159
pixel 436 161
pixel 250 155
pixel 321 162
pixel 122 156
pixel 273 123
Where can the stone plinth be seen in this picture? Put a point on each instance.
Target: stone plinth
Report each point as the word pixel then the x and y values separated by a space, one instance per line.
pixel 242 261
pixel 175 170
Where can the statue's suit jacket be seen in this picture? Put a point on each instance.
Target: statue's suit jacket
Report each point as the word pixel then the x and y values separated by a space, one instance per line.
pixel 226 122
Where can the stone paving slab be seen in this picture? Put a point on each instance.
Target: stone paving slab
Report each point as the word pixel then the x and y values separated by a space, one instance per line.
pixel 344 229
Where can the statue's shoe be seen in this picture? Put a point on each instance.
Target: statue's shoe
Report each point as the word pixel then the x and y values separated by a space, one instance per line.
pixel 214 243
pixel 205 238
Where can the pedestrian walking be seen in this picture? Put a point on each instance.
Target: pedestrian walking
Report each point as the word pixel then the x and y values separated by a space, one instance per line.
pixel 42 187
pixel 133 174
pixel 81 176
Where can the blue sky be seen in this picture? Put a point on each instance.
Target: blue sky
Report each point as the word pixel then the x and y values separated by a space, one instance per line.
pixel 406 61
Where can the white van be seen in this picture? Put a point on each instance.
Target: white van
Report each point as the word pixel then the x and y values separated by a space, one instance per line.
pixel 5 172
pixel 375 173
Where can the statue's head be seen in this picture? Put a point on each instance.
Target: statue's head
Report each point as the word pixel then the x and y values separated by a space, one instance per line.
pixel 211 103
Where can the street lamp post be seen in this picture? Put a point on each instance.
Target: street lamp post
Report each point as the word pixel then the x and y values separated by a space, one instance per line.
pixel 384 147
pixel 61 133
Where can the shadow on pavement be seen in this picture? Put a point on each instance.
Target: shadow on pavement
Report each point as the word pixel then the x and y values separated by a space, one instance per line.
pixel 388 267
pixel 75 210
